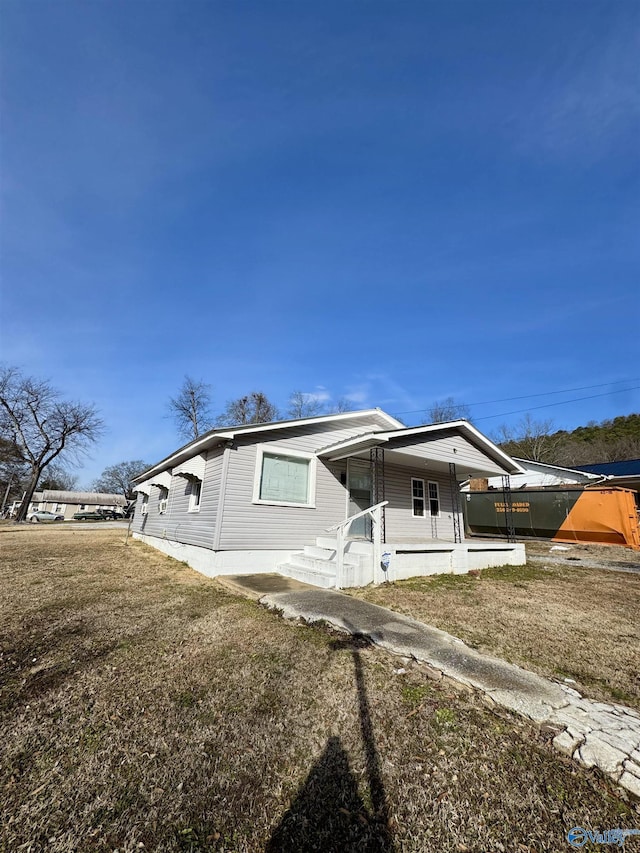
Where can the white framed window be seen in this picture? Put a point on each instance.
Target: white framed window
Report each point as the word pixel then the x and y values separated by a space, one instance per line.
pixel 195 493
pixel 434 499
pixel 284 477
pixel 144 508
pixel 417 498
pixel 163 496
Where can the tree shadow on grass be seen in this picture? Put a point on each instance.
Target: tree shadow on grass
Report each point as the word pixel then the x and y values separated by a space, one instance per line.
pixel 328 813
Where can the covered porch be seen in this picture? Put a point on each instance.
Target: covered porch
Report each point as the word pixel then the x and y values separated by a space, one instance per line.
pixel 403 514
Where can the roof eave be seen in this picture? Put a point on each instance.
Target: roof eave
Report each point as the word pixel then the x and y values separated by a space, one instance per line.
pixel 217 436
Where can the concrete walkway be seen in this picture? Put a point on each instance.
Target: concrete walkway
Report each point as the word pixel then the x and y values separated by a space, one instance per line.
pixel 596 734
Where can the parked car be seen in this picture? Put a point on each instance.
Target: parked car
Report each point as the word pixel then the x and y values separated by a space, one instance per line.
pixel 44 515
pixel 89 515
pixel 113 514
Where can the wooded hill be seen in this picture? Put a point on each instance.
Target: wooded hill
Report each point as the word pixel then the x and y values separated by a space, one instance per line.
pixel 609 441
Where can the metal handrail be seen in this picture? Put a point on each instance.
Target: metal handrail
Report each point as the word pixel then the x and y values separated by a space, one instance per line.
pixel 375 512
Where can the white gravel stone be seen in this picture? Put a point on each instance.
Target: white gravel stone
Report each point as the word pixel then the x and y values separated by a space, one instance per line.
pixel 632 767
pixel 596 753
pixel 570 691
pixel 567 743
pixel 615 739
pixel 631 783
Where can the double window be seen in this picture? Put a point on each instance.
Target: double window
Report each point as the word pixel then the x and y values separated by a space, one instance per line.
pixel 285 478
pixel 419 498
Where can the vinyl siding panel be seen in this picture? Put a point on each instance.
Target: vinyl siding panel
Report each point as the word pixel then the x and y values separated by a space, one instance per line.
pixel 192 528
pixel 449 448
pixel 246 525
pixel 400 525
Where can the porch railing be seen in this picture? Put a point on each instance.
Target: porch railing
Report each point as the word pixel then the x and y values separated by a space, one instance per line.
pixel 341 529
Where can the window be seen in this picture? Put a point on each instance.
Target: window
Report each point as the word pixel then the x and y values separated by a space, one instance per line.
pixel 286 478
pixel 417 497
pixel 195 490
pixel 434 499
pixel 162 500
pixel 144 509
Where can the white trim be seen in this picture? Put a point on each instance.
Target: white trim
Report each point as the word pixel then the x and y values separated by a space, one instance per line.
pixel 414 498
pixel 429 499
pixel 218 436
pixel 217 533
pixel 263 450
pixel 349 446
pixel 144 506
pixel 162 501
pixel 193 506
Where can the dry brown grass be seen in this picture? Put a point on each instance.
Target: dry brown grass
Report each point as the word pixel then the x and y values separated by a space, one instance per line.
pixel 142 707
pixel 556 618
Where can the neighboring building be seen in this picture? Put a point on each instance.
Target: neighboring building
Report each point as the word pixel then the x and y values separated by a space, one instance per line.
pixel 625 474
pixel 68 503
pixel 276 497
pixel 537 475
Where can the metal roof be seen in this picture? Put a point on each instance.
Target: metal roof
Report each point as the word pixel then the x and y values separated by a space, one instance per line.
pixel 626 468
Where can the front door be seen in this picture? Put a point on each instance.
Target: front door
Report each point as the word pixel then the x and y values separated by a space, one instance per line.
pixel 360 496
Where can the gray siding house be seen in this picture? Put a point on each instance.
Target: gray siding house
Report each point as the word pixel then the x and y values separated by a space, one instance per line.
pixel 339 500
pixel 67 503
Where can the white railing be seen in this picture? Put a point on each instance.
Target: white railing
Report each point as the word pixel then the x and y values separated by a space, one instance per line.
pixel 341 532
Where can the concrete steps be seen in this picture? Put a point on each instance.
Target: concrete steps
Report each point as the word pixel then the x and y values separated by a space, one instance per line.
pixel 317 564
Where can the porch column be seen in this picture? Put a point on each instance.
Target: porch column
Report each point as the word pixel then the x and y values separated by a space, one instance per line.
pixel 376 456
pixel 508 508
pixel 455 502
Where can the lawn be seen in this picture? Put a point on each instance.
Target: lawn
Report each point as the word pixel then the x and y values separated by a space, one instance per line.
pixel 144 708
pixel 559 619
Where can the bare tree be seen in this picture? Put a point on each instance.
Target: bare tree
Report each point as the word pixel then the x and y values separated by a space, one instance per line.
pixel 303 405
pixel 254 408
pixel 42 427
pixel 342 404
pixel 530 439
pixel 58 477
pixel 118 479
pixel 447 410
pixel 191 409
pixel 12 472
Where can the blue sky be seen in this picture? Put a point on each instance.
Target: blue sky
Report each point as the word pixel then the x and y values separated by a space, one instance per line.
pixel 394 202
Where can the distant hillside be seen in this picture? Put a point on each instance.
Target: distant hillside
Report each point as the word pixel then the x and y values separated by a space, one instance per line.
pixel 609 441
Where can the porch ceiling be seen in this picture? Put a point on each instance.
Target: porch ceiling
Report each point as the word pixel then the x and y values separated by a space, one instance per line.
pixel 409 458
pixel 433 446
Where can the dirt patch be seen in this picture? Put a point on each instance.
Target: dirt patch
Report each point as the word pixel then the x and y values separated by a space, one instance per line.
pixel 143 707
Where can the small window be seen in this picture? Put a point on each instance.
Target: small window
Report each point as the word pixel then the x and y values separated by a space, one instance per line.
pixel 417 497
pixel 195 490
pixel 434 499
pixel 286 478
pixel 144 509
pixel 162 500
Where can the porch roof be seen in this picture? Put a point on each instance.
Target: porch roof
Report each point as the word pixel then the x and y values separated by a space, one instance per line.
pixel 435 445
